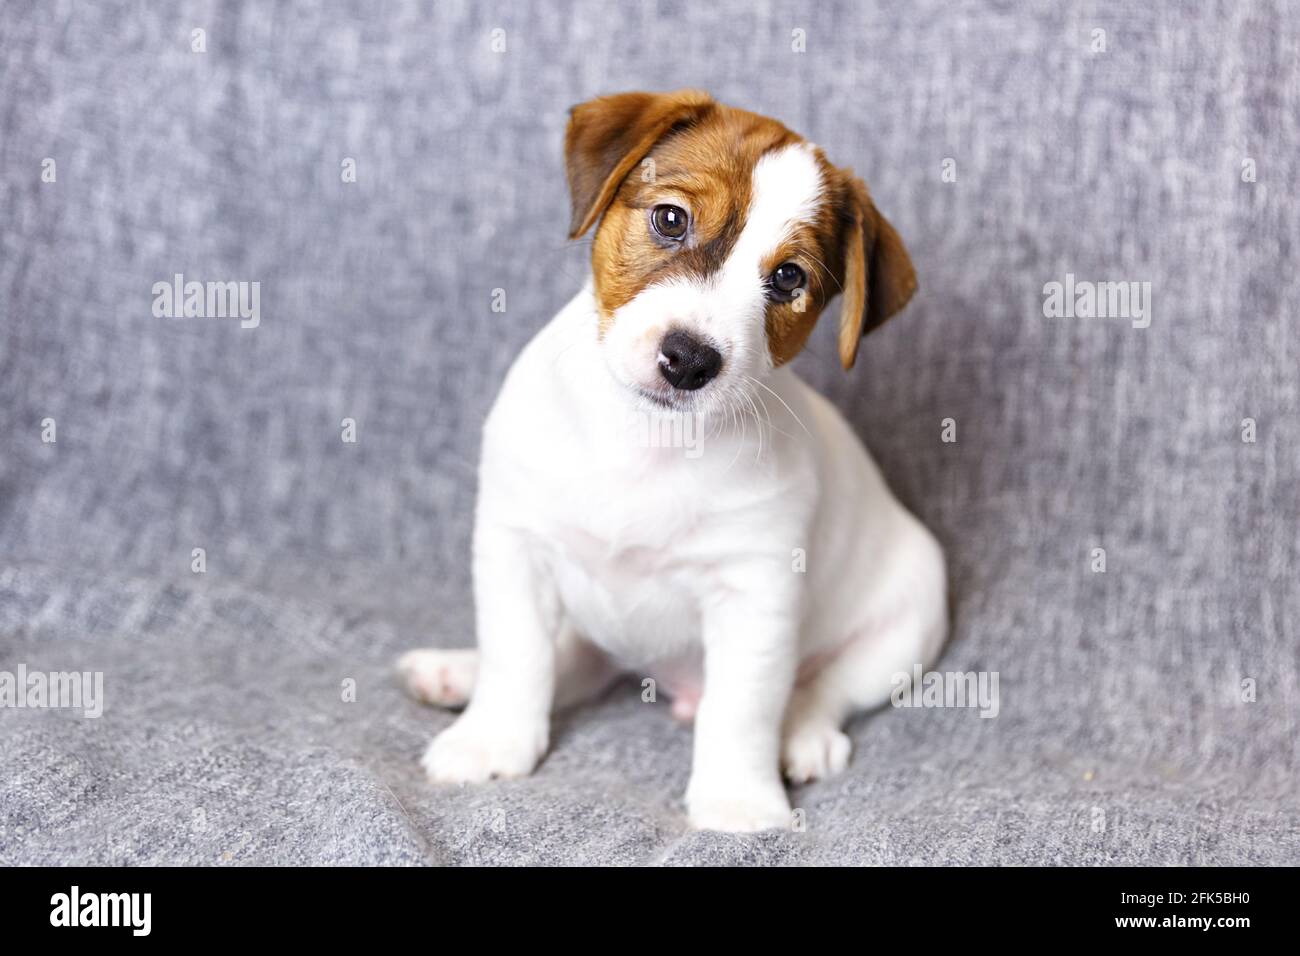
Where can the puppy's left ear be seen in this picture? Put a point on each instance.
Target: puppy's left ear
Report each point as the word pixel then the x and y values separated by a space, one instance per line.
pixel 878 275
pixel 609 135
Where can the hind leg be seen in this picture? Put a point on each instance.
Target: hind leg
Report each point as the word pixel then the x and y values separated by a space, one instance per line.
pixel 858 677
pixel 446 678
pixel 443 678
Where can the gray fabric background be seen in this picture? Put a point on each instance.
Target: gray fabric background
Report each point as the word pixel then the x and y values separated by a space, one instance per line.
pixel 1122 735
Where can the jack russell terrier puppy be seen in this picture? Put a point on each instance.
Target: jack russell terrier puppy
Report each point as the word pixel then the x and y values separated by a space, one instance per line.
pixel 765 578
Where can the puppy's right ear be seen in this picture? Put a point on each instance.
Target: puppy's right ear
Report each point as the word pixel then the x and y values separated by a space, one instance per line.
pixel 609 135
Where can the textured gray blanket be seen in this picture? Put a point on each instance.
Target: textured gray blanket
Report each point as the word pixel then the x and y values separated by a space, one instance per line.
pixel 1148 712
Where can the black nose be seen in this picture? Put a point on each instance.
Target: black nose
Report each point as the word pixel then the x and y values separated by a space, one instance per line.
pixel 687 362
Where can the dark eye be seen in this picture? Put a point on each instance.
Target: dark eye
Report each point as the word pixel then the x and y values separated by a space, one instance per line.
pixel 786 280
pixel 669 221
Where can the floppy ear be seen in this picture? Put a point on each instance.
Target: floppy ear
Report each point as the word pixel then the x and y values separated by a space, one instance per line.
pixel 878 275
pixel 609 135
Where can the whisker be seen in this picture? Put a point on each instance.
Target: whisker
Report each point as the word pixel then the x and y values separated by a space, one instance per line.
pixel 783 402
pixel 825 269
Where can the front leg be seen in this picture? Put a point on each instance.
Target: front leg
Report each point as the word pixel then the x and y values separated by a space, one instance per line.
pixel 750 652
pixel 506 727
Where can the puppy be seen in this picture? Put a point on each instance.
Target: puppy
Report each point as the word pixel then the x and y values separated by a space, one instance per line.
pixel 660 495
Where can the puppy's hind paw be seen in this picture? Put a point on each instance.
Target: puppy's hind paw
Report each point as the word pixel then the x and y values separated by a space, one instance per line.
pixel 443 678
pixel 814 751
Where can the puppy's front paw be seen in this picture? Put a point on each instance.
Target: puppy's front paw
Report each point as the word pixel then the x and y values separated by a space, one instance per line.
pixel 738 811
pixel 475 749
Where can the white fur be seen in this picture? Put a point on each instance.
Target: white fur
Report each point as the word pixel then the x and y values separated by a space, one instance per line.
pixel 596 552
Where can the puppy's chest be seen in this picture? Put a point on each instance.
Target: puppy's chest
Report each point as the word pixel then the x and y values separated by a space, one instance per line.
pixel 630 567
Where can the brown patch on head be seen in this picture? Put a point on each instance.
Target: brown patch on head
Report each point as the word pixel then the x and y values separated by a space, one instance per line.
pixel 628 153
pixel 856 253
pixel 697 154
pixel 817 247
pixel 607 136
